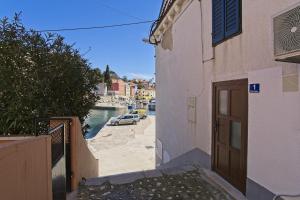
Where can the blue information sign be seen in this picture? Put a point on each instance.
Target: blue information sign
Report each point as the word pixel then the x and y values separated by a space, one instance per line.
pixel 254 88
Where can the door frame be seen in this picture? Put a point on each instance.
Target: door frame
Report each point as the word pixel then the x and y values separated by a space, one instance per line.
pixel 245 141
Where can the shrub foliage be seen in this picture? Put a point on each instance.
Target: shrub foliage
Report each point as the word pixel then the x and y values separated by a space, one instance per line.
pixel 41 76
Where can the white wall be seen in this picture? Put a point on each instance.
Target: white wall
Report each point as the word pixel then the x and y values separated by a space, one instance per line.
pixel 178 76
pixel 101 89
pixel 274 115
pixel 274 133
pixel 127 90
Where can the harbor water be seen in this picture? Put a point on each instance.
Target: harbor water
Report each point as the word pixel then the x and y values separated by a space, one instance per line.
pixel 98 118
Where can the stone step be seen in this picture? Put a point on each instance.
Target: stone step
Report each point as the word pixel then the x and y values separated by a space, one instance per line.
pixel 131 177
pixel 207 175
pixel 72 195
pixel 184 182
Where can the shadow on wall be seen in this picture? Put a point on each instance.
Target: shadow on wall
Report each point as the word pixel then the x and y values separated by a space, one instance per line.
pixel 83 161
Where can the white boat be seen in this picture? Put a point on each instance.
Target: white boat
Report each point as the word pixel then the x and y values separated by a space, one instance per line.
pixel 152 105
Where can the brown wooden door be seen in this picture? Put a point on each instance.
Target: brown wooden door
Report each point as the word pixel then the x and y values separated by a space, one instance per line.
pixel 230 125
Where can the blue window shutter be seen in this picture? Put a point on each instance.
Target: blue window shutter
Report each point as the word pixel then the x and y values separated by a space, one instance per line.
pixel 218 21
pixel 232 17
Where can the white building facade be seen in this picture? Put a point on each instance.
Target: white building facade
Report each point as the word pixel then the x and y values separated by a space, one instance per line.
pixel 127 90
pixel 101 89
pixel 220 90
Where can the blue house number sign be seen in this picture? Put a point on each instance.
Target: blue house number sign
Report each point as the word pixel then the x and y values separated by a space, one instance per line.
pixel 254 88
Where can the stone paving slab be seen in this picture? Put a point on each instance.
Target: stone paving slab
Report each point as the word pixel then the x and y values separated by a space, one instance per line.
pixel 178 185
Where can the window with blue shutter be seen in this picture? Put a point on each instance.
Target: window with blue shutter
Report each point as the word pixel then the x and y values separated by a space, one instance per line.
pixel 226 19
pixel 218 21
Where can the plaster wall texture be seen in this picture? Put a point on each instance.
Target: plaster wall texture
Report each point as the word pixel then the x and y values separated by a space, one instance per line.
pixel 178 75
pixel 25 168
pixel 189 68
pixel 83 162
pixel 274 133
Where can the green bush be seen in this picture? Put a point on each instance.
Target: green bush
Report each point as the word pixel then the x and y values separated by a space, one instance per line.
pixel 41 76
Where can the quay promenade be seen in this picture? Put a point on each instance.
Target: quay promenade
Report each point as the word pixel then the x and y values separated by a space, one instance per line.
pixel 124 149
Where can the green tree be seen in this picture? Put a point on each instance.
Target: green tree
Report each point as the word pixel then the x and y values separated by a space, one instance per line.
pixel 107 77
pixel 40 76
pixel 98 74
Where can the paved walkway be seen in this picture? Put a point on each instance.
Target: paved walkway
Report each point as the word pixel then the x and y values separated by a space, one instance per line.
pixel 189 183
pixel 124 149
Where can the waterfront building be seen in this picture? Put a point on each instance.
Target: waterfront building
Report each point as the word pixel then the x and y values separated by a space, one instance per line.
pixel 143 83
pixel 127 89
pixel 101 89
pixel 133 89
pixel 117 87
pixel 151 93
pixel 235 107
pixel 145 94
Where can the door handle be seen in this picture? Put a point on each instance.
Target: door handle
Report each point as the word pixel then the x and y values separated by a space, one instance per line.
pixel 216 126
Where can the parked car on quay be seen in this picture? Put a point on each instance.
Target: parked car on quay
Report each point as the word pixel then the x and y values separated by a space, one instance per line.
pixel 141 112
pixel 125 119
pixel 136 117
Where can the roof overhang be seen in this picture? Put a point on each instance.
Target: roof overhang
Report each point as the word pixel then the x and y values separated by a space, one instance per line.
pixel 166 19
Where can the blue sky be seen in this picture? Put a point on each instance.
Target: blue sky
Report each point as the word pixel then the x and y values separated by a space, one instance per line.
pixel 122 48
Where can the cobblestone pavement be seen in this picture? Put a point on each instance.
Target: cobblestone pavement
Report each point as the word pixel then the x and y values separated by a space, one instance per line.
pixel 189 185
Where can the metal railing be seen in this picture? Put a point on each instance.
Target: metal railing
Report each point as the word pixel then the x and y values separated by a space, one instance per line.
pixel 58 162
pixel 59 130
pixel 57 143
